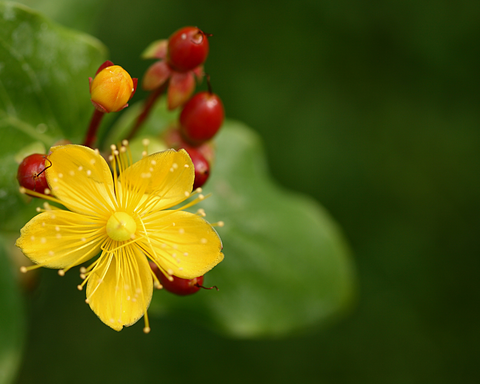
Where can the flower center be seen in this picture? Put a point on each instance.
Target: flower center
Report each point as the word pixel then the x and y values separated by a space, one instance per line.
pixel 121 226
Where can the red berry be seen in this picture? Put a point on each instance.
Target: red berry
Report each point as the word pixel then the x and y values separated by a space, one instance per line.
pixel 201 117
pixel 187 49
pixel 180 286
pixel 31 173
pixel 201 165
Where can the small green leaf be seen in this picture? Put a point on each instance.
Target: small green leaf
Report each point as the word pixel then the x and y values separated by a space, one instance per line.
pixel 12 320
pixel 44 92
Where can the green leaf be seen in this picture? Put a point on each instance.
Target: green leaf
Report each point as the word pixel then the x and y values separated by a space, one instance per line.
pixel 12 320
pixel 287 267
pixel 81 15
pixel 44 93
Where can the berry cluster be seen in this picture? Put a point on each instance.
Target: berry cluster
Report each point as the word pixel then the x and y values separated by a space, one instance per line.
pixel 181 58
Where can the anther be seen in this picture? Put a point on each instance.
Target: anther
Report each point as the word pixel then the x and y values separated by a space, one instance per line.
pixel 22 189
pixel 79 287
pixel 145 142
pixel 38 209
pixel 113 147
pixel 23 269
pixel 47 191
pixel 61 272
pixel 146 330
pixel 83 270
pixel 125 142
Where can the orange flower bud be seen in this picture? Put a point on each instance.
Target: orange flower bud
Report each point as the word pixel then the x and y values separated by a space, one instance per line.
pixel 111 89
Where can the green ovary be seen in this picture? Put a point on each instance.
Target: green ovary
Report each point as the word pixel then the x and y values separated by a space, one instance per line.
pixel 121 226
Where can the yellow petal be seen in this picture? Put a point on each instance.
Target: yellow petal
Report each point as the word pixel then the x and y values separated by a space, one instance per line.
pixel 61 239
pixel 81 179
pixel 182 243
pixel 119 291
pixel 160 181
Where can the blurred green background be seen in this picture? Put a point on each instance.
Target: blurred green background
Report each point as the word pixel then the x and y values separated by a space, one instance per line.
pixel 370 107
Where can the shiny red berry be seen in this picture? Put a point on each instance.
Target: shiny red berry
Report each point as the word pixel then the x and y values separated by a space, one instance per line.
pixel 187 49
pixel 179 286
pixel 201 117
pixel 201 165
pixel 182 287
pixel 31 172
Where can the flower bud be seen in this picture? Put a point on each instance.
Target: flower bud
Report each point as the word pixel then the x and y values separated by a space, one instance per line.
pixel 111 89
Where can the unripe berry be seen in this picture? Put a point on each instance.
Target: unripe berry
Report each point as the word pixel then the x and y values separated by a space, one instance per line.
pixel 31 173
pixel 187 49
pixel 111 89
pixel 201 117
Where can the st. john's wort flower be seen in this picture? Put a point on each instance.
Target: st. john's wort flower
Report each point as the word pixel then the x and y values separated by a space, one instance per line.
pixel 128 218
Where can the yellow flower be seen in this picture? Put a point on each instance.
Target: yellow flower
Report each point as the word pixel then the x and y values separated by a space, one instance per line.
pixel 128 218
pixel 111 89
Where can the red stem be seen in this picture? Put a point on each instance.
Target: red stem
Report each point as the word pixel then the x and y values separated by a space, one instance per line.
pixel 147 108
pixel 93 128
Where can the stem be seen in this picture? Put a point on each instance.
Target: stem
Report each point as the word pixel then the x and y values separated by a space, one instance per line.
pixel 93 128
pixel 147 108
